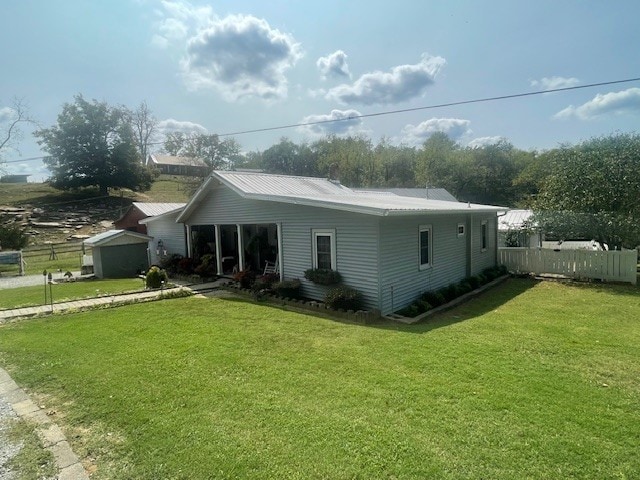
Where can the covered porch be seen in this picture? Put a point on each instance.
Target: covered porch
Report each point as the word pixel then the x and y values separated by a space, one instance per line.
pixel 237 247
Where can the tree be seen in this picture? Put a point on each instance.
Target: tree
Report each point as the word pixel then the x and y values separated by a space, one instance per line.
pixel 92 144
pixel 217 154
pixel 11 119
pixel 593 191
pixel 144 126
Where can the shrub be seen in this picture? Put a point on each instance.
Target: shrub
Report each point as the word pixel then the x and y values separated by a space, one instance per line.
pixel 490 273
pixel 344 298
pixel 170 263
pixel 207 267
pixel 464 287
pixel 265 282
pixel 423 306
pixel 450 292
pixel 474 282
pixel 155 277
pixel 245 278
pixel 186 265
pixel 435 299
pixel 409 311
pixel 13 237
pixel 481 278
pixel 323 276
pixel 288 288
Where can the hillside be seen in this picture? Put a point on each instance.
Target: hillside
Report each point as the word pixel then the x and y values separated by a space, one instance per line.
pixel 54 216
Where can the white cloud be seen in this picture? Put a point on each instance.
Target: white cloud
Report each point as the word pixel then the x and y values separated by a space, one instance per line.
pixel 338 122
pixel 616 103
pixel 485 141
pixel 171 125
pixel 177 19
pixel 334 65
pixel 241 56
pixel 402 83
pixel 552 83
pixel 238 55
pixel 6 114
pixel 455 128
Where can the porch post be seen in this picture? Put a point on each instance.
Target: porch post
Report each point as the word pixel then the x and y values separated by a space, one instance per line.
pixel 469 245
pixel 280 262
pixel 189 246
pixel 216 229
pixel 240 248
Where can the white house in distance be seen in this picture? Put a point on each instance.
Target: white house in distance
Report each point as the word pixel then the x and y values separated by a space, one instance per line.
pixel 391 248
pixel 174 165
pixel 515 230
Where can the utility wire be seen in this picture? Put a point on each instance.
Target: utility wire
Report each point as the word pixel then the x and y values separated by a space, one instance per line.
pixel 395 112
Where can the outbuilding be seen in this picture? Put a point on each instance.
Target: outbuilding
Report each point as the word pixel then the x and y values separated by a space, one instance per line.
pixel 119 253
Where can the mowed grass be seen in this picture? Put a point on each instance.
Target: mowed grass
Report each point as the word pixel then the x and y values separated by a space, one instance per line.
pixel 531 380
pixel 30 296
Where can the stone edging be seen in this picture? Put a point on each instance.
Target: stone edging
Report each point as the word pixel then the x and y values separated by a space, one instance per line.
pixel 50 434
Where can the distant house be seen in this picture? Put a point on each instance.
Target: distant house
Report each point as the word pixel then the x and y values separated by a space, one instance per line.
pixel 173 165
pixel 15 178
pixel 391 248
pixel 141 210
pixel 516 230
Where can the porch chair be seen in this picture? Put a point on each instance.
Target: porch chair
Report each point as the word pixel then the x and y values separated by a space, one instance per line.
pixel 271 267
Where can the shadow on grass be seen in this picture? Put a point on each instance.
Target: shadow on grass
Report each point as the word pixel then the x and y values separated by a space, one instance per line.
pixel 477 306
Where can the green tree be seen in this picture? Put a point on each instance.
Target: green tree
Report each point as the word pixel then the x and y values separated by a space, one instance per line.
pixel 593 191
pixel 92 144
pixel 217 154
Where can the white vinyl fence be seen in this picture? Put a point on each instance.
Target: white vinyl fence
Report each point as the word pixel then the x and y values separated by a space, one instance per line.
pixel 617 266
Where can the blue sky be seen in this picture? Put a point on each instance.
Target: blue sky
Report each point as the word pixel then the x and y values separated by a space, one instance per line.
pixel 228 66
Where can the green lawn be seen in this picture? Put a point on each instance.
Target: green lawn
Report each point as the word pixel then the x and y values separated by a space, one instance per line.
pixel 531 380
pixel 29 296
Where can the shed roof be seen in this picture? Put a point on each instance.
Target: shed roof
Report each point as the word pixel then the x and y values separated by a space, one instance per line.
pixel 163 215
pixel 109 236
pixel 153 209
pixel 324 193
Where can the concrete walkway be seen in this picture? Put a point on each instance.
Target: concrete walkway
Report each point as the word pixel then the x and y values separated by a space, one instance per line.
pixel 50 434
pixel 89 303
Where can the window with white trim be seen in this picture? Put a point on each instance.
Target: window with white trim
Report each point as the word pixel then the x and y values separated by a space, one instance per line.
pixel 485 231
pixel 324 249
pixel 425 252
pixel 461 230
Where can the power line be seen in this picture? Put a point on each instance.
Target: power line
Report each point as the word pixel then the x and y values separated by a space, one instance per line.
pixel 395 112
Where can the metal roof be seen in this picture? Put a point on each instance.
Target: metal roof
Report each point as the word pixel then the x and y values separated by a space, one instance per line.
pixel 153 209
pixel 176 160
pixel 105 237
pixel 162 215
pixel 428 193
pixel 514 220
pixel 324 193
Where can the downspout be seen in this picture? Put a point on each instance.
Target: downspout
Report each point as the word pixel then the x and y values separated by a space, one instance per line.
pixel 496 237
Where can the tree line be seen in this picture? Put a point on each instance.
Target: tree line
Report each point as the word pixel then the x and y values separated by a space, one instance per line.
pixel 591 189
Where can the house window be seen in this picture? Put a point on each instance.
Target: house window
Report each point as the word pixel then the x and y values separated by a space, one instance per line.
pixel 425 246
pixel 461 230
pixel 324 249
pixel 484 235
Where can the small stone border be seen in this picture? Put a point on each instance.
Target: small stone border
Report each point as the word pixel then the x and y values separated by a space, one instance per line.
pixel 447 306
pixel 363 317
pixel 50 434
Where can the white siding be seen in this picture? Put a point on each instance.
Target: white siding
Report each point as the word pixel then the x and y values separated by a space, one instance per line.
pixel 356 237
pixel 171 233
pixel 482 259
pixel 402 281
